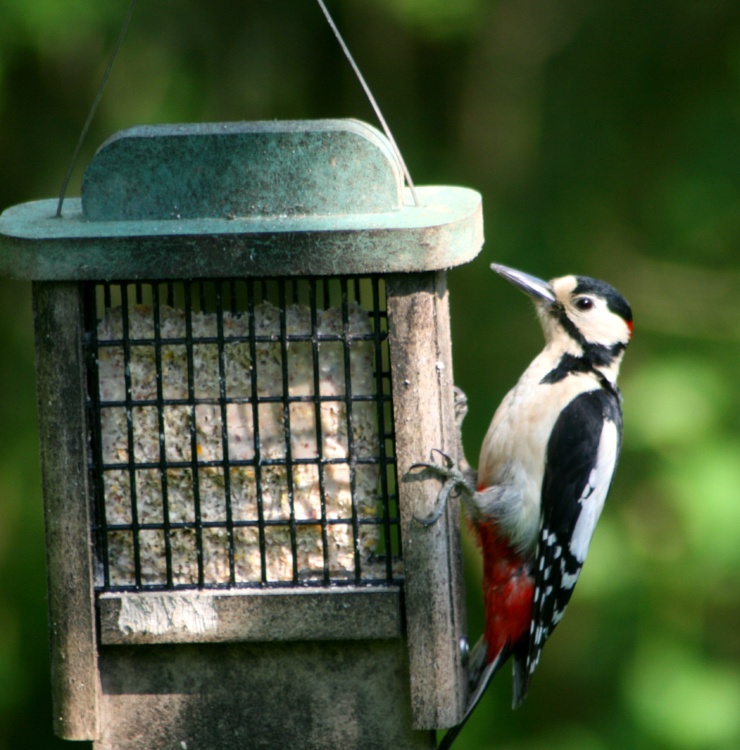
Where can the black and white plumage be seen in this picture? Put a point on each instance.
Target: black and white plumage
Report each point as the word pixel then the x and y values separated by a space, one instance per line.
pixel 581 458
pixel 546 466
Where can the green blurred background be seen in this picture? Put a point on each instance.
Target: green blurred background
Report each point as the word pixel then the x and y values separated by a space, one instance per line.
pixel 605 139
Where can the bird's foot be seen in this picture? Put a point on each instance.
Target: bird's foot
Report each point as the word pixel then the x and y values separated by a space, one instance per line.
pixel 454 483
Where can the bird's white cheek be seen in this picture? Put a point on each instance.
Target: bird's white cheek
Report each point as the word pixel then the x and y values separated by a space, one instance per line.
pixel 605 329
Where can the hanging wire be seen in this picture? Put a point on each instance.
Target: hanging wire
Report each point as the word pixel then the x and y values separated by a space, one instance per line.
pixel 370 97
pixel 114 55
pixel 94 108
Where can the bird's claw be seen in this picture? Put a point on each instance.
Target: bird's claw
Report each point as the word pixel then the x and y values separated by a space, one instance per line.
pixel 436 468
pixel 453 479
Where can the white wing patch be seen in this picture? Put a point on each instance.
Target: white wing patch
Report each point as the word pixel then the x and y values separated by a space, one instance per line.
pixel 594 493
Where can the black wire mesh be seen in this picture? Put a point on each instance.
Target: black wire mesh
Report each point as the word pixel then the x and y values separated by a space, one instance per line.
pixel 242 434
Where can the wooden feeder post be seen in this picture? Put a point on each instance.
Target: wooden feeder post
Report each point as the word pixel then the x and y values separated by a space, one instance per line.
pixel 243 343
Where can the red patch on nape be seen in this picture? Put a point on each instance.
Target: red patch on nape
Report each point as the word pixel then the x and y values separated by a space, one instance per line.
pixel 630 326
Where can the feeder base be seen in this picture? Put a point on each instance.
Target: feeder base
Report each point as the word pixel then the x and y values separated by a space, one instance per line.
pixel 314 696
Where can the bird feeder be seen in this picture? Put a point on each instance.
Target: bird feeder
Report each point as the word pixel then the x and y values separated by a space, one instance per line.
pixel 243 344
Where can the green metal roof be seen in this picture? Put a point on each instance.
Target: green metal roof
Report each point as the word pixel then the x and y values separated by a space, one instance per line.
pixel 320 197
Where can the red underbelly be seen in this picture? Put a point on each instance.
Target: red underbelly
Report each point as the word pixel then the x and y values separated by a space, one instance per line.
pixel 507 591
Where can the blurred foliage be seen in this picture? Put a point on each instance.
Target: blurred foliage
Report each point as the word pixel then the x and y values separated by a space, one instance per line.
pixel 604 139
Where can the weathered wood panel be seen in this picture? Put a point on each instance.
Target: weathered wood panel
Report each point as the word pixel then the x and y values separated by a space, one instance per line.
pixel 424 420
pixel 332 695
pixel 250 615
pixel 62 426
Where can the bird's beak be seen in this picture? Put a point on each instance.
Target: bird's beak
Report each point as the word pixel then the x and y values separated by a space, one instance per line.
pixel 537 289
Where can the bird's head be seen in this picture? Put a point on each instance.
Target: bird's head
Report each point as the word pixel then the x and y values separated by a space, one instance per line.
pixel 584 316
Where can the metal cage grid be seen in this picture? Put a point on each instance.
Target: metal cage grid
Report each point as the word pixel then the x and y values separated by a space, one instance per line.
pixel 242 433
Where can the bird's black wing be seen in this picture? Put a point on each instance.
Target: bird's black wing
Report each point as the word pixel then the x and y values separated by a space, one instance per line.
pixel 581 457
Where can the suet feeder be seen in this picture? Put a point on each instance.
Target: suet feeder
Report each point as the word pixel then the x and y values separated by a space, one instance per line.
pixel 243 344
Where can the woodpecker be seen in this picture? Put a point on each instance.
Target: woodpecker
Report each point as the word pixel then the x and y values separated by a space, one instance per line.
pixel 546 466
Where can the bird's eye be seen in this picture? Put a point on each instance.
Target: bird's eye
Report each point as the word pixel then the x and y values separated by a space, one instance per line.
pixel 584 303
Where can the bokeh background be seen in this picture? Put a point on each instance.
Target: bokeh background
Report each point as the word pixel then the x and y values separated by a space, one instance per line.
pixel 604 136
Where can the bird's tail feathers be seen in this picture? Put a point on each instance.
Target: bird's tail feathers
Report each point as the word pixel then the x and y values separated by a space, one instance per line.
pixel 521 682
pixel 481 673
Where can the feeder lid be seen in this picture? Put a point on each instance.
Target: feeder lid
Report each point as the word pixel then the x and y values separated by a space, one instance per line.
pixel 314 197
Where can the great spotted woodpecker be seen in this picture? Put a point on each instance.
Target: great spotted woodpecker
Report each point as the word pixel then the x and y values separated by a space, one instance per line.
pixel 545 468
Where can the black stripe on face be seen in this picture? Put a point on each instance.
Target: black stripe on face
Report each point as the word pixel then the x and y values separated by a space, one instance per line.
pixel 598 354
pixel 614 300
